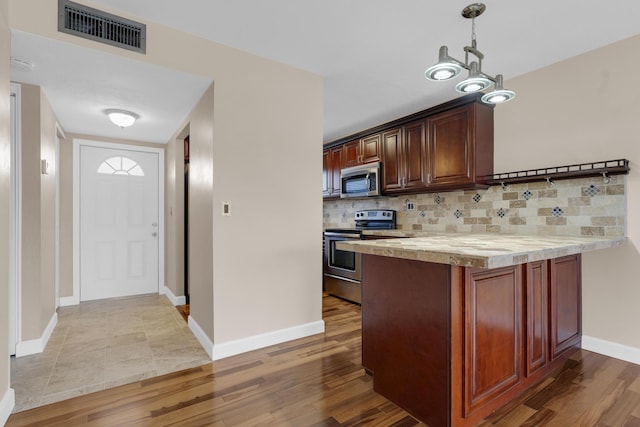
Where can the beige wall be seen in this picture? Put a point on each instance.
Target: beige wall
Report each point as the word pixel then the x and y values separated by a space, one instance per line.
pixel 202 263
pixel 581 110
pixel 38 212
pixel 268 131
pixel 5 164
pixel 174 218
pixel 47 212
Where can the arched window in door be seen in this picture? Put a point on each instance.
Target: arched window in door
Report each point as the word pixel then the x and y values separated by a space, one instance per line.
pixel 120 165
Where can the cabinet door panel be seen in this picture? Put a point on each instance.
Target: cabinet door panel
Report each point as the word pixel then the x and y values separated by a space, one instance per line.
pixel 326 173
pixel 391 161
pixel 493 334
pixel 336 165
pixel 415 156
pixel 537 284
pixel 451 148
pixel 370 149
pixel 565 300
pixel 351 153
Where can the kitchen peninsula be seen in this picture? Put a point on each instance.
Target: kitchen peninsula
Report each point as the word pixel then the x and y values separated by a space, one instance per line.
pixel 456 325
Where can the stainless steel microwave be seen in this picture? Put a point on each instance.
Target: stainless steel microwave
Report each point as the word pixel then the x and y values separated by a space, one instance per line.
pixel 360 181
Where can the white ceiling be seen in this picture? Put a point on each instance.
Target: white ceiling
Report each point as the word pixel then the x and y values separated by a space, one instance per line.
pixel 81 83
pixel 371 53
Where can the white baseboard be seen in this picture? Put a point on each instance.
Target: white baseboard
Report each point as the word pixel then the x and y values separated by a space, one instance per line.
pixel 181 300
pixel 611 349
pixel 67 301
pixel 25 348
pixel 202 338
pixel 255 342
pixel 6 405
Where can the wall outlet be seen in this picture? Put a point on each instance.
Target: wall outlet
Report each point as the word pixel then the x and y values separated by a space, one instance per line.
pixel 410 206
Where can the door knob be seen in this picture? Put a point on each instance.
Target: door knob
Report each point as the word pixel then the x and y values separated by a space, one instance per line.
pixel 154 234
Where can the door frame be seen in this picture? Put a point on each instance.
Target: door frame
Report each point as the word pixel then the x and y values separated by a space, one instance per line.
pixel 59 137
pixel 15 219
pixel 77 143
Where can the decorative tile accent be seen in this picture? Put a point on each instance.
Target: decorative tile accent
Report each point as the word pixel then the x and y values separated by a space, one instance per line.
pixel 529 209
pixel 501 212
pixel 591 190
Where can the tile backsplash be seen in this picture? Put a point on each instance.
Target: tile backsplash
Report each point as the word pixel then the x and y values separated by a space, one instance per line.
pixel 572 207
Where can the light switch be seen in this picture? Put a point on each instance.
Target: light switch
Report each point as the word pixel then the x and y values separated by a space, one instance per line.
pixel 226 209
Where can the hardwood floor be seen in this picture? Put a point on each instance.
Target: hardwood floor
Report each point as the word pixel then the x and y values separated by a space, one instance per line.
pixel 318 381
pixel 184 311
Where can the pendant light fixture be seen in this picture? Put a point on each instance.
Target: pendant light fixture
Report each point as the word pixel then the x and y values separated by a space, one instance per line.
pixel 447 67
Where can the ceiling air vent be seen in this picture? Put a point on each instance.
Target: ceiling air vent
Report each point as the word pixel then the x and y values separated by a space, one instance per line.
pixel 94 24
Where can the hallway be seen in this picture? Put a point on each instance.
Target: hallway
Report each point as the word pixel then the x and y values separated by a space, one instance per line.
pixel 102 344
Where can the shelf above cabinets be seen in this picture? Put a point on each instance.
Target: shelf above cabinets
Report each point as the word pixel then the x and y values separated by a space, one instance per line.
pixel 604 168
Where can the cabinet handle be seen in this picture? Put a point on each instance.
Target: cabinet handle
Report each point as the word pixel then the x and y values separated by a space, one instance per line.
pixel 428 177
pixel 403 181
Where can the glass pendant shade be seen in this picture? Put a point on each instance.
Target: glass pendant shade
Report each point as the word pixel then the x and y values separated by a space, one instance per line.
pixel 445 69
pixel 499 94
pixel 475 82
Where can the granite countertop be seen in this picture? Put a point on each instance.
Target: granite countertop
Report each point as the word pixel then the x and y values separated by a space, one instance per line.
pixel 478 250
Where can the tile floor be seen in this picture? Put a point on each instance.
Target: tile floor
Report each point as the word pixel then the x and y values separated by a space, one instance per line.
pixel 102 344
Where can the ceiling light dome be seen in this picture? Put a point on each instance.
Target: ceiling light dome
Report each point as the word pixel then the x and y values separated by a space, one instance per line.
pixel 122 118
pixel 445 69
pixel 499 94
pixel 476 82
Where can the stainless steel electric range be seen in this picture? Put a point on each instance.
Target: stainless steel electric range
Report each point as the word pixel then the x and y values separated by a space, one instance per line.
pixel 342 269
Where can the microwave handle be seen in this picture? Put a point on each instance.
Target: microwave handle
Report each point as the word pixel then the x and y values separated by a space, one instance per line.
pixel 368 182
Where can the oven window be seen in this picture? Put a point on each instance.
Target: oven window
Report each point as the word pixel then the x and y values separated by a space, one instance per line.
pixel 341 259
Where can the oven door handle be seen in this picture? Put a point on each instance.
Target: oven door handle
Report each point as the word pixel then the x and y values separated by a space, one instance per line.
pixel 345 235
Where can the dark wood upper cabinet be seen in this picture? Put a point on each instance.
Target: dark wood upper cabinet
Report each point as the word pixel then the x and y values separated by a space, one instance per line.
pixel 449 147
pixel 415 153
pixel 363 150
pixel 404 159
pixel 370 149
pixel 326 173
pixel 332 162
pixel 351 153
pixel 460 150
pixel 392 161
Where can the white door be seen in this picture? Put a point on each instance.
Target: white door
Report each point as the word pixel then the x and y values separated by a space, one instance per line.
pixel 119 222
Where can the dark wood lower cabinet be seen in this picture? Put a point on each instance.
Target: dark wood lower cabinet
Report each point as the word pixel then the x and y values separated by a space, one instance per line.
pixel 452 344
pixel 493 334
pixel 566 295
pixel 537 320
